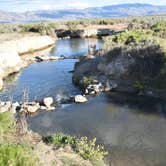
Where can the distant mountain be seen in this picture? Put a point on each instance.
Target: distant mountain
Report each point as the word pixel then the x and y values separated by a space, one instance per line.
pixel 122 10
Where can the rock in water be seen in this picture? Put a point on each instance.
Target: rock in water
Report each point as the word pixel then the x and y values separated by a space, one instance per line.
pixel 32 109
pixel 80 99
pixel 48 101
pixel 107 87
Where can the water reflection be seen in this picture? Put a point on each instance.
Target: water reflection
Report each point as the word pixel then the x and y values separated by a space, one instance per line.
pixel 73 47
pixel 132 137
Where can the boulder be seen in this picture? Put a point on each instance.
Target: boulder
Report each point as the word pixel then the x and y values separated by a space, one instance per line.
pixel 5 106
pixel 32 108
pixel 94 88
pixel 48 101
pixel 80 99
pixel 15 106
pixel 107 87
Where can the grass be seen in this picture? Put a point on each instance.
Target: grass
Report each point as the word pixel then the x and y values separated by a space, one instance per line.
pixel 7 123
pixel 16 155
pixel 12 153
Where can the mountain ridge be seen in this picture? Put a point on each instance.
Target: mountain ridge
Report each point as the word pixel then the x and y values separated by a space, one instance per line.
pixel 119 10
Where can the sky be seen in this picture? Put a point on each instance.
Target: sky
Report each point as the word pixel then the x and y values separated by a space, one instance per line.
pixel 32 5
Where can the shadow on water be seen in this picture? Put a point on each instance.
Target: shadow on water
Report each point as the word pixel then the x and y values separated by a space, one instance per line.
pixel 146 105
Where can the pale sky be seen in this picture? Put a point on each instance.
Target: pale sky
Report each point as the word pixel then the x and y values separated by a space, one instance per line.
pixel 31 5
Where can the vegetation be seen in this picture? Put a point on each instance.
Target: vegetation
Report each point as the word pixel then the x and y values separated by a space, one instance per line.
pixel 16 155
pixel 87 149
pixel 17 150
pixel 154 23
pixel 11 152
pixel 7 123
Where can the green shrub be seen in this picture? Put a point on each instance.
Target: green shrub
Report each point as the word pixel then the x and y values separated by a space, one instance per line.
pixel 138 86
pixel 72 25
pixel 87 149
pixel 16 155
pixel 61 140
pixel 7 123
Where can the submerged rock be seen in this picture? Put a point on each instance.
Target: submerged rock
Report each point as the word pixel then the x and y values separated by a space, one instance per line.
pixel 80 99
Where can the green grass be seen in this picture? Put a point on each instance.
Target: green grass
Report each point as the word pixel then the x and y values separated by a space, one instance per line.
pixel 16 155
pixel 7 122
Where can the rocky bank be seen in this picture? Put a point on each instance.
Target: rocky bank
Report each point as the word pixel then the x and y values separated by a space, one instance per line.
pixel 132 70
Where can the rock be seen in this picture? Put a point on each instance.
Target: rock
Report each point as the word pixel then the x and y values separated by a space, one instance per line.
pixel 48 101
pixel 8 104
pixel 47 108
pixel 15 107
pixel 47 58
pixel 55 58
pixel 32 108
pixel 80 99
pixel 92 93
pixel 43 108
pixel 94 88
pixel 107 87
pixel 5 106
pixel 86 91
pixel 16 104
pixel 50 109
pixel 38 59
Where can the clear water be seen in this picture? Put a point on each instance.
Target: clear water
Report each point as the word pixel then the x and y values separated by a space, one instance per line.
pixel 133 129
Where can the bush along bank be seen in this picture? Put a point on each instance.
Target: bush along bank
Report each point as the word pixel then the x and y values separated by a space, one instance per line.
pixel 130 63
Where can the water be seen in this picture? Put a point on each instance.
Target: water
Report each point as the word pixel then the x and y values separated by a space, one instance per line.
pixel 133 129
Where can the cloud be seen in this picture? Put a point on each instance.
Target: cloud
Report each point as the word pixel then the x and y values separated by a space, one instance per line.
pixel 78 5
pixel 30 5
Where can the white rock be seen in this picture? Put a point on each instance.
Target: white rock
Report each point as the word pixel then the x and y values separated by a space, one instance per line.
pixel 5 107
pixel 43 107
pixel 16 104
pixel 48 101
pixel 50 109
pixel 32 109
pixel 92 93
pixel 14 107
pixel 80 99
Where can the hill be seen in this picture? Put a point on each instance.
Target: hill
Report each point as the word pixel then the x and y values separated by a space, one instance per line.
pixel 122 10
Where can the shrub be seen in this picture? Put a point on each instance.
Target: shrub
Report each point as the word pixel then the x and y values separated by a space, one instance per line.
pixel 16 155
pixel 7 123
pixel 61 140
pixel 87 149
pixel 72 25
pixel 138 86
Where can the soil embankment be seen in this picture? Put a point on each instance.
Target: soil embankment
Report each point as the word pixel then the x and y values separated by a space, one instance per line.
pixel 12 46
